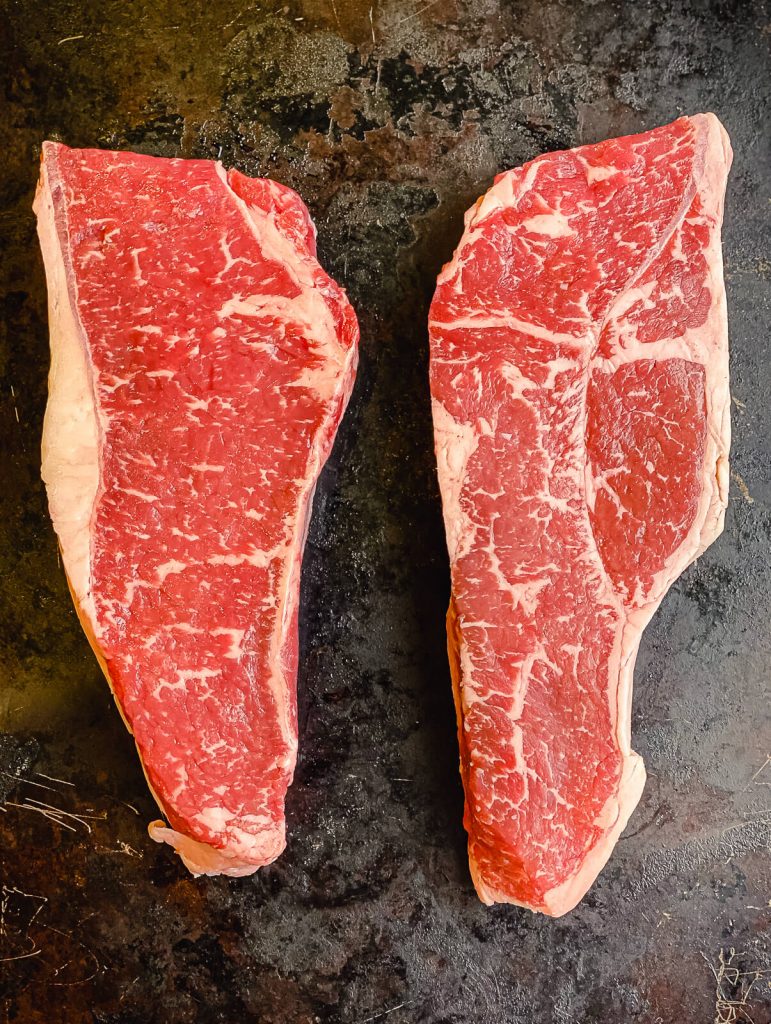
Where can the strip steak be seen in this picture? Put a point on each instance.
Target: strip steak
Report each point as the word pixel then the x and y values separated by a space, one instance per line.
pixel 579 377
pixel 201 361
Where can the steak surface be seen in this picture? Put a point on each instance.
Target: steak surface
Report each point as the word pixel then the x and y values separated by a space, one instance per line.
pixel 201 361
pixel 579 378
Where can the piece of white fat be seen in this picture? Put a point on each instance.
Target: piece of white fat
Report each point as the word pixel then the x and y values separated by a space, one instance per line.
pixel 70 445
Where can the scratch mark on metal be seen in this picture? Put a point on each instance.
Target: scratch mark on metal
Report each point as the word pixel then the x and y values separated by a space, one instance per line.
pixel 745 492
pixel 383 1013
pixel 415 14
pixel 762 768
pixel 51 778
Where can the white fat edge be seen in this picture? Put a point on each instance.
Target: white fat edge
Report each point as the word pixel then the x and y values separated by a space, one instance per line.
pixel 252 851
pixel 487 895
pixel 70 443
pixel 712 186
pixel 499 196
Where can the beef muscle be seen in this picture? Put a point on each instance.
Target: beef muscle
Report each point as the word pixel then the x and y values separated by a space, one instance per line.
pixel 201 360
pixel 579 377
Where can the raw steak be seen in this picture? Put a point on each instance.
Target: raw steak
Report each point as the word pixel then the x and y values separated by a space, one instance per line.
pixel 201 360
pixel 579 375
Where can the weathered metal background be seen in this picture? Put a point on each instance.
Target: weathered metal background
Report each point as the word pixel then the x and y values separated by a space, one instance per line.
pixel 390 118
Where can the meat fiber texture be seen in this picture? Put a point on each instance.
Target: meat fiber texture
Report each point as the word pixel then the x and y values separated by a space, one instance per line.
pixel 201 361
pixel 579 378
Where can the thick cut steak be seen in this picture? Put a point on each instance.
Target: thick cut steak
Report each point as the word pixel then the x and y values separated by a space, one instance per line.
pixel 201 361
pixel 579 377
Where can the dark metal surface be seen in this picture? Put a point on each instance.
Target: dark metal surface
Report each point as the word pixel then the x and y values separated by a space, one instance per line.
pixel 389 118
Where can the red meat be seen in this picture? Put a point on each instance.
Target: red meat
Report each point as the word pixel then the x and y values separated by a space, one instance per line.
pixel 579 375
pixel 201 361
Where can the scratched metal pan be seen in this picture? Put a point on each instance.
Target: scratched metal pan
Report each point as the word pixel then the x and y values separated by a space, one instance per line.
pixel 390 118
